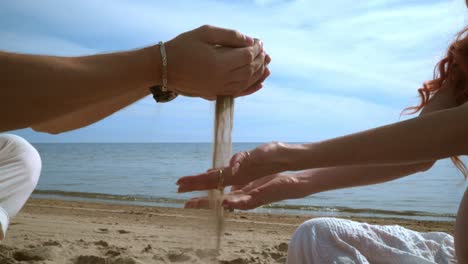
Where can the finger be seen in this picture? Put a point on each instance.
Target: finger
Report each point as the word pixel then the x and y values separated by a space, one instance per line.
pixel 236 158
pixel 265 75
pixel 256 77
pixel 257 86
pixel 258 184
pixel 224 37
pixel 241 203
pixel 246 72
pixel 204 181
pixel 251 90
pixel 267 59
pixel 239 57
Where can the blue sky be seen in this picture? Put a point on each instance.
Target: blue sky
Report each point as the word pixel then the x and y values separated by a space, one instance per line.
pixel 338 66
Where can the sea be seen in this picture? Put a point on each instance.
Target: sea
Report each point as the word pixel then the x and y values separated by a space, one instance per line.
pixel 146 174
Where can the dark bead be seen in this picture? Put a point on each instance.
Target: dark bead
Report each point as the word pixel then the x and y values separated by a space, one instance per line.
pixel 162 96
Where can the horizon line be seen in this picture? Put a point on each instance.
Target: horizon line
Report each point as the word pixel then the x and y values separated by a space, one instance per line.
pixel 158 142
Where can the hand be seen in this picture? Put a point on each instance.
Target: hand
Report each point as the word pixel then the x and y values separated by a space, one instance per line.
pixel 244 168
pixel 211 61
pixel 260 192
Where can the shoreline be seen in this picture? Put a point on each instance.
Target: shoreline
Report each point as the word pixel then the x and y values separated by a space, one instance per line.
pixel 275 208
pixel 57 231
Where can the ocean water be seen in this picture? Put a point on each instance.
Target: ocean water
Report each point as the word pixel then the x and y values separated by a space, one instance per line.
pixel 145 174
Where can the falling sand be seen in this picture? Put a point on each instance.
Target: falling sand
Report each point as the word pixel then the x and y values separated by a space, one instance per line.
pixel 224 114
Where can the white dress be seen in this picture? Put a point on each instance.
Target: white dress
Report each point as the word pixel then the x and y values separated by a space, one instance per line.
pixel 333 240
pixel 20 167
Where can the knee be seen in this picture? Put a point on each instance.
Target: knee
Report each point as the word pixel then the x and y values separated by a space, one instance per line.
pixel 316 227
pixel 23 156
pixel 304 244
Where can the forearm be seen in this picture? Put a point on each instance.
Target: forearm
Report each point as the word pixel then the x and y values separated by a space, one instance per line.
pixel 426 138
pixel 325 179
pixel 32 82
pixel 89 114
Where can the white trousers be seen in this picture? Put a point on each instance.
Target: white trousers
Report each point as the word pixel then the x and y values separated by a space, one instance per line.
pixel 20 167
pixel 333 240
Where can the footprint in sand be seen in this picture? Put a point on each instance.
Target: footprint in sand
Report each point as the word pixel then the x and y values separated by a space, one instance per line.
pixel 206 253
pixel 89 260
pixel 236 261
pixel 147 249
pixel 101 243
pixel 283 247
pixel 99 260
pixel 178 256
pixel 112 253
pixel 125 260
pixel 52 243
pixel 37 254
pixel 102 230
pixel 6 260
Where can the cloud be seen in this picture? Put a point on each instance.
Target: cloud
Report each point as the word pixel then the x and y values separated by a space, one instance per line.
pixel 40 44
pixel 338 66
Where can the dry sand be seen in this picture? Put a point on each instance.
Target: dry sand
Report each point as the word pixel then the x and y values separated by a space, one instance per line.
pixel 53 231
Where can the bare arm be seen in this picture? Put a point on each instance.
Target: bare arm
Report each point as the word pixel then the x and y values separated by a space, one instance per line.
pixel 429 137
pixel 57 94
pixel 373 156
pixel 324 179
pixel 36 89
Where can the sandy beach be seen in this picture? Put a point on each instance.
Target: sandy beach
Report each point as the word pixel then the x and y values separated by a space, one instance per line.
pixel 55 231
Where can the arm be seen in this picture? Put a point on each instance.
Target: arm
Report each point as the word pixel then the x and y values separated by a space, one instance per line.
pixel 324 179
pixel 313 181
pixel 337 175
pixel 278 187
pixel 427 138
pixel 282 186
pixel 36 89
pixel 56 94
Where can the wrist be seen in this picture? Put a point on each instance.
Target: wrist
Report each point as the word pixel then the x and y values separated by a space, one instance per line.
pixel 297 186
pixel 306 182
pixel 155 65
pixel 293 156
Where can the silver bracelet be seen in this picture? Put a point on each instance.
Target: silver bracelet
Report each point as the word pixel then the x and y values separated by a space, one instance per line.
pixel 160 92
pixel 162 49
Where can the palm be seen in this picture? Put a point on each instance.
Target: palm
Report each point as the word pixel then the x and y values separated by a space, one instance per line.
pixel 236 198
pixel 257 193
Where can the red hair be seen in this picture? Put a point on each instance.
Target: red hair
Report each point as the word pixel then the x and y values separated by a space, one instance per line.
pixel 452 68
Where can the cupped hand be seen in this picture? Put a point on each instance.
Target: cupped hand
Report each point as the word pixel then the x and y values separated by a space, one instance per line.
pixel 266 190
pixel 211 61
pixel 244 168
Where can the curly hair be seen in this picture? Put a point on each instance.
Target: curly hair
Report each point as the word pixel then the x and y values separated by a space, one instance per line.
pixel 452 68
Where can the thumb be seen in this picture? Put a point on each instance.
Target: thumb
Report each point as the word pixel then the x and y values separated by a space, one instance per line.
pixel 225 37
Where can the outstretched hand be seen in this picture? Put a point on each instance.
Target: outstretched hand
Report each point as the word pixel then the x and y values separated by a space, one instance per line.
pixel 243 168
pixel 260 192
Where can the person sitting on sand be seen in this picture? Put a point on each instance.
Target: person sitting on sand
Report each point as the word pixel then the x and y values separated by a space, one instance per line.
pixel 369 157
pixel 57 94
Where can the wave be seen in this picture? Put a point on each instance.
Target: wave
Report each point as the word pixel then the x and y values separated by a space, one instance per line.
pixel 276 207
pixel 357 210
pixel 104 196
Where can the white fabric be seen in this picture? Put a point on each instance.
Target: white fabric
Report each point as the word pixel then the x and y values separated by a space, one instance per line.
pixel 333 240
pixel 20 167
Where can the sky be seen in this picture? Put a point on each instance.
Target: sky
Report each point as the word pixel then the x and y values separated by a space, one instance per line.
pixel 338 66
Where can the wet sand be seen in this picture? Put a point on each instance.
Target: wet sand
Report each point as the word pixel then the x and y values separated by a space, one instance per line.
pixel 55 231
